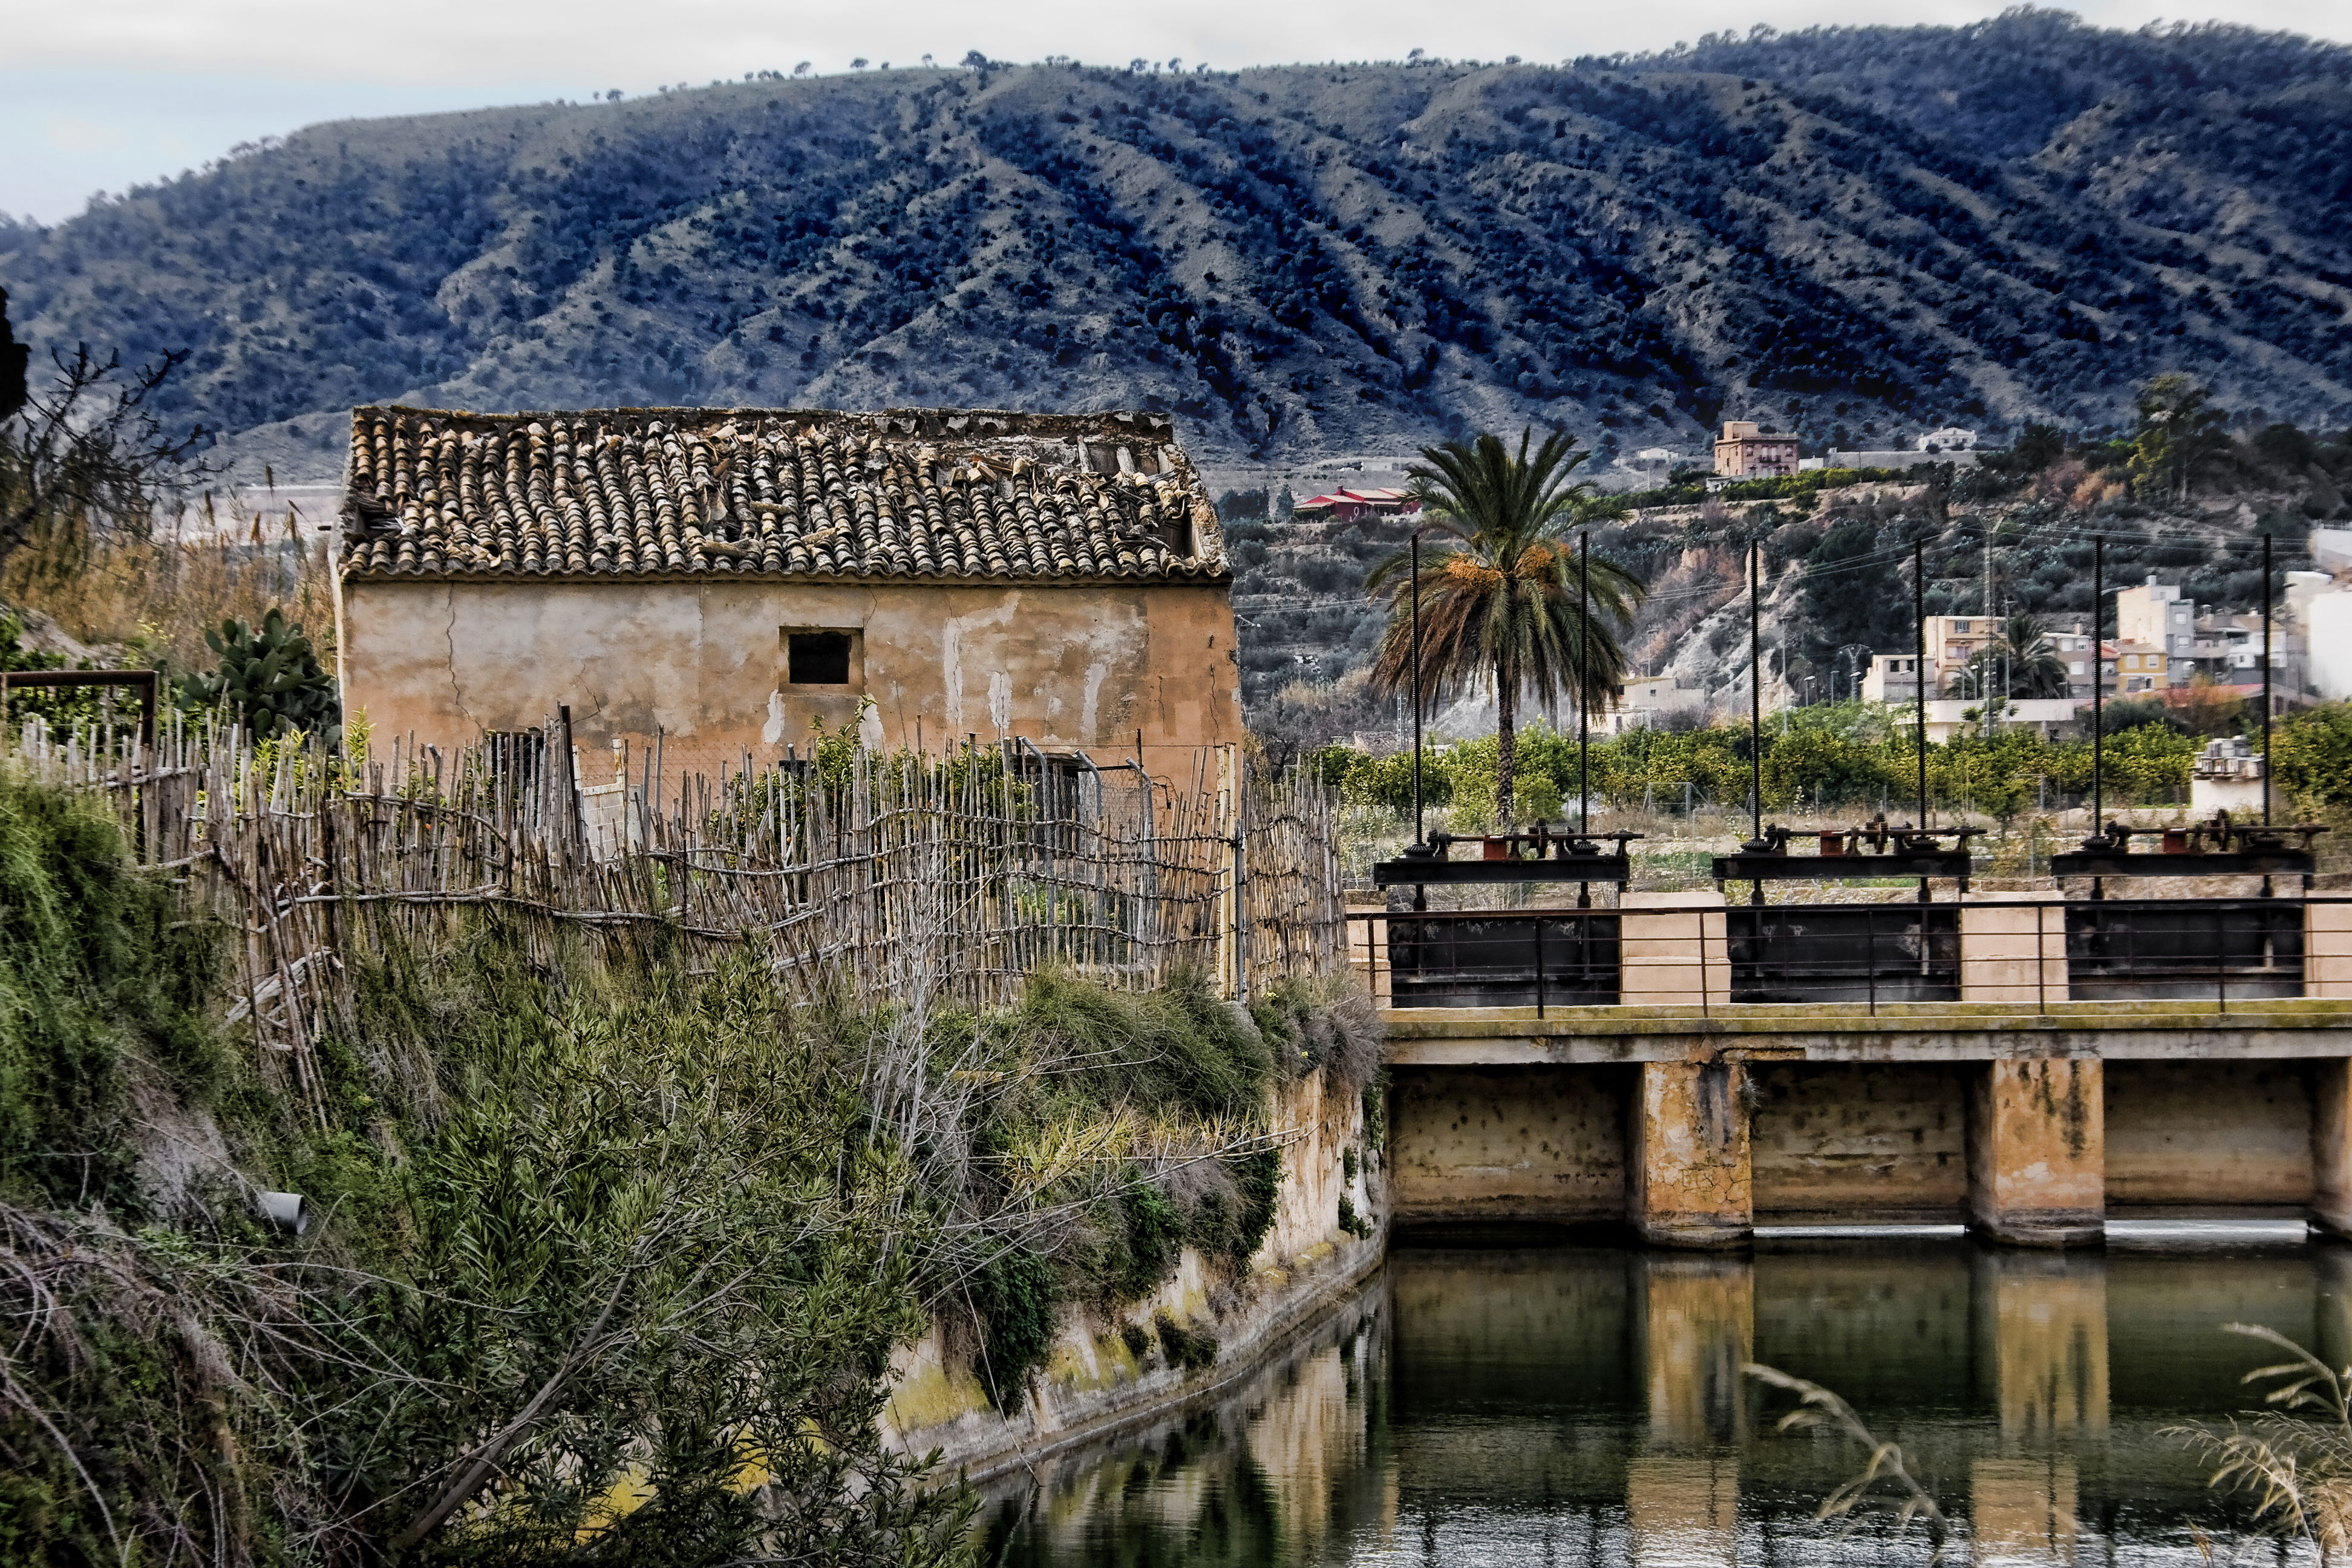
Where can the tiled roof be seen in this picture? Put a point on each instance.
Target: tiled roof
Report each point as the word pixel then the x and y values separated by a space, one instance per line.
pixel 665 492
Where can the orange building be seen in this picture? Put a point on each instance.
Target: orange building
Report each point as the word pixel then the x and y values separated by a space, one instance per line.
pixel 1749 451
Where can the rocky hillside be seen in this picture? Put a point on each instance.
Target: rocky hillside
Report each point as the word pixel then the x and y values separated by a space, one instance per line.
pixel 1863 232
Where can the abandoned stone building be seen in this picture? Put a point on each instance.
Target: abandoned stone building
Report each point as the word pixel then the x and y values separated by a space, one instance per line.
pixel 724 580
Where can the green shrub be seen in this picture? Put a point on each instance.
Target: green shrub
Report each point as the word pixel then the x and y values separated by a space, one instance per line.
pixel 1191 1348
pixel 1155 1234
pixel 95 972
pixel 1259 1177
pixel 1013 1295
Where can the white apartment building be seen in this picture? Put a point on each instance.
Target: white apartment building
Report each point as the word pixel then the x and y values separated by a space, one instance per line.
pixel 1646 701
pixel 2154 616
pixel 1890 677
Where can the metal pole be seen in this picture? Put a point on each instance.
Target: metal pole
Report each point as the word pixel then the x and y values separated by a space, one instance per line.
pixel 1417 837
pixel 1919 664
pixel 1755 708
pixel 1584 684
pixel 2099 683
pixel 2266 685
pixel 1539 966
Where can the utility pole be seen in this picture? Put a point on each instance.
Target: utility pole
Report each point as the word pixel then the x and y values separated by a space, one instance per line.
pixel 2266 687
pixel 1988 574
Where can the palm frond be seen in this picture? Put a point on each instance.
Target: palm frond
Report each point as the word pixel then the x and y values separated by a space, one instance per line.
pixel 1508 601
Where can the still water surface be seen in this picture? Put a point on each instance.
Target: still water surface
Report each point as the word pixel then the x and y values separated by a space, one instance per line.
pixel 1511 1403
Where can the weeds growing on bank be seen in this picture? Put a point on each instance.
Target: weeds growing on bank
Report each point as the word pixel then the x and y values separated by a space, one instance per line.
pixel 1884 1484
pixel 609 1258
pixel 2295 1460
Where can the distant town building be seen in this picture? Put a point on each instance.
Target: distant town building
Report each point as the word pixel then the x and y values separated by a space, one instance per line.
pixel 1894 678
pixel 1648 701
pixel 1891 678
pixel 2154 616
pixel 1950 716
pixel 1747 451
pixel 2331 548
pixel 2323 611
pixel 2073 649
pixel 2135 669
pixel 2228 648
pixel 1898 458
pixel 1353 506
pixel 1950 438
pixel 1952 642
pixel 1652 463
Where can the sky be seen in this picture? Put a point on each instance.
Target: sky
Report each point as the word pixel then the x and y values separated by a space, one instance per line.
pixel 99 95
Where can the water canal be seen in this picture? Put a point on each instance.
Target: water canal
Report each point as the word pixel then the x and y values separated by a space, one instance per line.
pixel 1512 1398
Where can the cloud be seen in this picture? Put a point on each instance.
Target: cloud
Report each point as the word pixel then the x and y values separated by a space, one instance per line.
pixel 74 135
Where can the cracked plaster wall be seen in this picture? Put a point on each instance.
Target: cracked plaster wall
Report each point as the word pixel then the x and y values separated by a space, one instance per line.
pixel 1086 665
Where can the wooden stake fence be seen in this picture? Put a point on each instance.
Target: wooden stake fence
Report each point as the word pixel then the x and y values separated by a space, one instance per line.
pixel 860 873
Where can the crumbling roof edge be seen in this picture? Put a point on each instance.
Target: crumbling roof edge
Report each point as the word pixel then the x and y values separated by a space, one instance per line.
pixel 1141 421
pixel 1207 577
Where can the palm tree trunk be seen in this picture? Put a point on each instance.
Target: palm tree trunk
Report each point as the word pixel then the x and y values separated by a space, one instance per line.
pixel 1506 729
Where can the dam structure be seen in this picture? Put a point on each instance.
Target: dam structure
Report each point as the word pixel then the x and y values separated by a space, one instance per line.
pixel 1690 1066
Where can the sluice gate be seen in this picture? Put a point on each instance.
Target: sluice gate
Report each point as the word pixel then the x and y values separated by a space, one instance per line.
pixel 2029 1066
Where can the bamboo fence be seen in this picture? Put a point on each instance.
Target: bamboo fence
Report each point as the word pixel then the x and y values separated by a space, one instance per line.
pixel 851 872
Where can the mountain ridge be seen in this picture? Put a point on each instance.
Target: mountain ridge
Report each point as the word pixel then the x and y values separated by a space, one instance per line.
pixel 1862 232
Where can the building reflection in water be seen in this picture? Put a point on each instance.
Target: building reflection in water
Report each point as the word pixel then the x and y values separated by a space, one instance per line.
pixel 1587 1405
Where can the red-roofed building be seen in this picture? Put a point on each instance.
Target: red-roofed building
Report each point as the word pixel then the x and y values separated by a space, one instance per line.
pixel 1353 506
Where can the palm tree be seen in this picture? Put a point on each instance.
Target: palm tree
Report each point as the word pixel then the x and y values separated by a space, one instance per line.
pixel 1500 609
pixel 2034 669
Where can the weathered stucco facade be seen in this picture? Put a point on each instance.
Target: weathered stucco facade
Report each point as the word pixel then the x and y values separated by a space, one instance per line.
pixel 1086 665
pixel 726 581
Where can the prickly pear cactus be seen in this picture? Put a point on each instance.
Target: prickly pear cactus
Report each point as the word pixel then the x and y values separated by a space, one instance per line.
pixel 273 679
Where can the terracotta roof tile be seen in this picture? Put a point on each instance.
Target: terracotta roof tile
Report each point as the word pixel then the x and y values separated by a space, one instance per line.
pixel 637 492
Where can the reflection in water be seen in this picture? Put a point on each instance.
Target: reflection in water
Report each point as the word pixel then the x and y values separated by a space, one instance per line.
pixel 1575 1405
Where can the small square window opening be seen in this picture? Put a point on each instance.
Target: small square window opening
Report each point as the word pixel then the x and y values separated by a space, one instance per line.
pixel 818 659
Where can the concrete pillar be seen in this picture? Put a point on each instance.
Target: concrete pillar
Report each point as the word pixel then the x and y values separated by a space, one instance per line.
pixel 1671 951
pixel 2022 1510
pixel 2331 1147
pixel 2037 1154
pixel 2042 1329
pixel 2011 952
pixel 1698 1331
pixel 1691 1182
pixel 1683 1510
pixel 2332 1271
pixel 2327 951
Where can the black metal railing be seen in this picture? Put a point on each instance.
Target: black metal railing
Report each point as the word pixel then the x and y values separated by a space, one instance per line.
pixel 1484 958
pixel 2211 951
pixel 2128 950
pixel 1844 952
